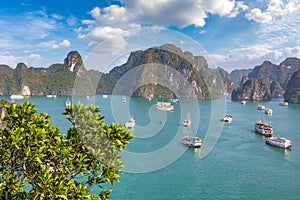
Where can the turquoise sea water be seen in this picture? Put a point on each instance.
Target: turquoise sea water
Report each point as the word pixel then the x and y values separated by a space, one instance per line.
pixel 239 166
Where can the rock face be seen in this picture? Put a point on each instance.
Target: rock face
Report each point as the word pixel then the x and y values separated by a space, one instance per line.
pixel 252 90
pixel 73 62
pixel 164 71
pixel 25 90
pixel 280 73
pixel 276 89
pixel 292 93
pixel 237 75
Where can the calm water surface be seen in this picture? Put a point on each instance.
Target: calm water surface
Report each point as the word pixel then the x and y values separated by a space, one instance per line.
pixel 240 166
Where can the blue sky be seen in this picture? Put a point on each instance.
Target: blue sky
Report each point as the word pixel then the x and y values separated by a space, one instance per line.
pixel 232 34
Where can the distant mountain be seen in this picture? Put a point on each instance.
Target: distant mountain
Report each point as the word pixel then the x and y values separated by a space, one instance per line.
pixel 57 79
pixel 164 71
pixel 253 90
pixel 292 93
pixel 271 72
pixel 237 75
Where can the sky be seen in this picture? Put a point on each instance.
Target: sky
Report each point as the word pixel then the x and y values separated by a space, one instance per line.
pixel 230 34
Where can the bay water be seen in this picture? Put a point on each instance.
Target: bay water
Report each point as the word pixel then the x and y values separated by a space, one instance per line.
pixel 239 165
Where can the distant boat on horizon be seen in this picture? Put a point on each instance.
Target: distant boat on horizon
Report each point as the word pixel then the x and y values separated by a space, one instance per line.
pixel 68 103
pixel 16 96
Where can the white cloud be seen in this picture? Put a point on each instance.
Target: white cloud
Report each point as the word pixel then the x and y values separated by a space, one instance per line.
pixel 36 59
pixel 248 57
pixel 276 10
pixel 57 16
pixel 258 16
pixel 53 45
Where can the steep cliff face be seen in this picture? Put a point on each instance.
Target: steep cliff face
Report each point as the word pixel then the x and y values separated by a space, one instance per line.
pixel 280 73
pixel 237 75
pixel 292 93
pixel 56 79
pixel 165 71
pixel 276 89
pixel 74 63
pixel 252 90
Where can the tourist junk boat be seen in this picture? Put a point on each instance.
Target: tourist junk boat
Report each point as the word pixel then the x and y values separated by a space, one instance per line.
pixel 124 100
pixel 187 121
pixel 269 111
pixel 130 123
pixel 284 103
pixel 227 118
pixel 164 106
pixel 261 107
pixel 280 142
pixel 190 141
pixel 263 128
pixel 16 97
pixel 68 103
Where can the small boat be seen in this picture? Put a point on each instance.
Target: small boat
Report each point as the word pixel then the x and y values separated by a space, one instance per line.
pixel 261 107
pixel 263 128
pixel 187 121
pixel 269 111
pixel 190 141
pixel 243 102
pixel 16 96
pixel 130 123
pixel 280 142
pixel 227 118
pixel 104 96
pixel 68 103
pixel 124 100
pixel 173 100
pixel 164 106
pixel 87 97
pixel 51 96
pixel 284 103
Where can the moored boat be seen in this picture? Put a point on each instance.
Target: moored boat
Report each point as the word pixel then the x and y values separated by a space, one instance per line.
pixel 104 96
pixel 68 103
pixel 263 128
pixel 130 123
pixel 164 106
pixel 16 96
pixel 243 102
pixel 187 121
pixel 284 103
pixel 190 141
pixel 261 107
pixel 280 142
pixel 124 100
pixel 227 118
pixel 269 111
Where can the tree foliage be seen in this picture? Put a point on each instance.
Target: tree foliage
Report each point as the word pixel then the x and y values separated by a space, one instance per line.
pixel 38 162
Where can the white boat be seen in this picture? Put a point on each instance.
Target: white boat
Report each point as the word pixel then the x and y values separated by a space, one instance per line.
pixel 227 118
pixel 280 142
pixel 104 96
pixel 164 106
pixel 16 96
pixel 187 121
pixel 263 128
pixel 190 141
pixel 284 103
pixel 173 100
pixel 261 107
pixel 130 123
pixel 243 102
pixel 269 111
pixel 68 103
pixel 51 96
pixel 124 100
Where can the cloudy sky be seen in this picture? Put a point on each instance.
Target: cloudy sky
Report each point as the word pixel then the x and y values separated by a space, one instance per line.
pixel 234 34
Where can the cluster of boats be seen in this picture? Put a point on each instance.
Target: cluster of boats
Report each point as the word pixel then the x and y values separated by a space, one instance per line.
pixel 266 130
